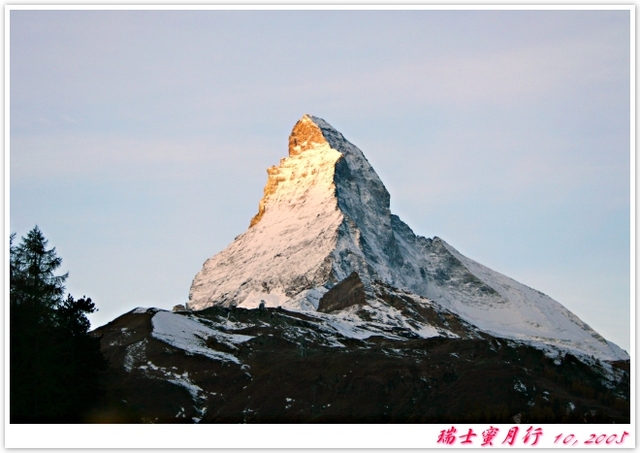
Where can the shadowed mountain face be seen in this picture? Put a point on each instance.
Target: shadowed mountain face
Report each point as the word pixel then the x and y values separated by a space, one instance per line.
pixel 330 309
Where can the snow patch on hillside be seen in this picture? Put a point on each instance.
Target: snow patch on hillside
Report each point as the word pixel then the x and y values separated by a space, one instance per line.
pixel 135 353
pixel 190 336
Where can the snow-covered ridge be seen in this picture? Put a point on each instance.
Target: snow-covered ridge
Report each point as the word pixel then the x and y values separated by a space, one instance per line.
pixel 531 316
pixel 325 214
pixel 192 333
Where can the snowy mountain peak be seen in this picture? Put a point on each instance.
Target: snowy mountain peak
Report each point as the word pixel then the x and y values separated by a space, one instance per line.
pixel 321 159
pixel 325 218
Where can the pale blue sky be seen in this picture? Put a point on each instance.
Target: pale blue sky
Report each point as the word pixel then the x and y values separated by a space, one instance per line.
pixel 140 139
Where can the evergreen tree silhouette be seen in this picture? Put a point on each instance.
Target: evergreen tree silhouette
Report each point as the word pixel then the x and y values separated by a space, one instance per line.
pixel 55 364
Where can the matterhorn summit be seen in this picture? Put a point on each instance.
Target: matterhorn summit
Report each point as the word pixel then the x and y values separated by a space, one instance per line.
pixel 325 240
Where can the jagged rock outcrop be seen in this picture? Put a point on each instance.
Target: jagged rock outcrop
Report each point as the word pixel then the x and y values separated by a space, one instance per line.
pixel 347 293
pixel 325 215
pixel 305 135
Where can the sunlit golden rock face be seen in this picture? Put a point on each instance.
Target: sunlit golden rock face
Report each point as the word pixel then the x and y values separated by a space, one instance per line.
pixel 272 183
pixel 304 136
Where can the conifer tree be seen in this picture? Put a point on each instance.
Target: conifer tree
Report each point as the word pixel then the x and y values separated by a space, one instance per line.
pixel 55 364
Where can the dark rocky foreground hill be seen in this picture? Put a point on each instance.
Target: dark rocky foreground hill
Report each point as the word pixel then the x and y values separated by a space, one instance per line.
pixel 276 366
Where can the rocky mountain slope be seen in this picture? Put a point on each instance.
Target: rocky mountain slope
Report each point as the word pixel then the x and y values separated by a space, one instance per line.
pixel 330 309
pixel 270 365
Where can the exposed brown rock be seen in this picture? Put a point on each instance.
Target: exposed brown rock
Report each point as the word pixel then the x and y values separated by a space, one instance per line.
pixel 305 135
pixel 273 180
pixel 348 292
